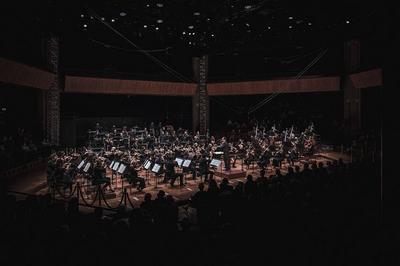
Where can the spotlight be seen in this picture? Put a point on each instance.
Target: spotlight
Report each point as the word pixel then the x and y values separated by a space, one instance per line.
pixel 122 14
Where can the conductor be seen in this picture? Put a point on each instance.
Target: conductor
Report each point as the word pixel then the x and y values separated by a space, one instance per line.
pixel 225 148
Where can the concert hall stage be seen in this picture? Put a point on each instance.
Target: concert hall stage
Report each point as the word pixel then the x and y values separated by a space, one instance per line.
pixel 35 182
pixel 232 174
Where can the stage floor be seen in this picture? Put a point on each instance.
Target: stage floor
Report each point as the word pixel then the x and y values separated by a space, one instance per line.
pixel 35 182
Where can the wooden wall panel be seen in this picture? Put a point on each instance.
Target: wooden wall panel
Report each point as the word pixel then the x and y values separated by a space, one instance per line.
pixel 19 74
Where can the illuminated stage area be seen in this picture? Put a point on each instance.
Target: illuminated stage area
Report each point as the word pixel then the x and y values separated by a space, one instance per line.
pixel 192 132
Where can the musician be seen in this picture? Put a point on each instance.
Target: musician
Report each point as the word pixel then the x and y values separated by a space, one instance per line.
pixel 131 174
pixel 204 163
pixel 225 148
pixel 170 173
pixel 99 176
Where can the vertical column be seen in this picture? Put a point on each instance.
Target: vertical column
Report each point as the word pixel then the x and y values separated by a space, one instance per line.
pixel 200 101
pixel 53 93
pixel 352 95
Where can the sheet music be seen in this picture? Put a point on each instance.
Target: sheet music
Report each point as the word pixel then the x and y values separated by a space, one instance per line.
pixel 121 168
pixel 186 163
pixel 115 167
pixel 87 166
pixel 156 168
pixel 147 165
pixel 215 162
pixel 112 164
pixel 179 161
pixel 81 164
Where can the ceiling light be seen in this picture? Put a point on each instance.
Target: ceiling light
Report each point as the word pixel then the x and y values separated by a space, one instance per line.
pixel 193 33
pixel 157 28
pixel 309 23
pixel 122 14
pixel 147 5
pixel 269 27
pixel 103 18
pixel 196 13
pixel 191 27
pixel 160 4
pixel 212 35
pixel 159 21
pixel 82 15
pixel 290 17
pixel 290 26
pixel 347 22
pixel 144 26
pixel 247 24
pixel 84 25
pixel 247 7
pixel 184 33
pixel 112 20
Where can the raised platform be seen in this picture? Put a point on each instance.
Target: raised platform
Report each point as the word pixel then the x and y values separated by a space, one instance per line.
pixel 232 174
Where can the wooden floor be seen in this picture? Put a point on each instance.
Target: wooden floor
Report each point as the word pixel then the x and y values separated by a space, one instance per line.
pixel 35 182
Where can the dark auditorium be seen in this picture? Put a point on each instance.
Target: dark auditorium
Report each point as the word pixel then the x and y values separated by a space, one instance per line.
pixel 191 132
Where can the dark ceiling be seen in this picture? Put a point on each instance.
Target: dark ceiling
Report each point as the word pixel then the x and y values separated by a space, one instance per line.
pixel 242 38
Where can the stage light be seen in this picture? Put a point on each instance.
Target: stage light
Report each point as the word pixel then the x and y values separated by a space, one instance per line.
pixel 191 27
pixel 112 20
pixel 84 25
pixel 269 27
pixel 247 24
pixel 82 15
pixel 160 4
pixel 347 22
pixel 145 26
pixel 184 33
pixel 290 26
pixel 102 18
pixel 122 14
pixel 157 28
pixel 147 5
pixel 196 13
pixel 309 23
pixel 208 19
pixel 290 17
pixel 248 7
pixel 159 21
pixel 193 33
pixel 212 35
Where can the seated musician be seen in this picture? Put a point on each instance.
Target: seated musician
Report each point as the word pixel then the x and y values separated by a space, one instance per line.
pixel 203 167
pixel 131 174
pixel 292 155
pixel 99 176
pixel 170 173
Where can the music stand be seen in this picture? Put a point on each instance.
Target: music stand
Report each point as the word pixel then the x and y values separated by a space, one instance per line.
pixel 179 161
pixel 215 163
pixel 156 168
pixel 81 164
pixel 186 164
pixel 86 169
pixel 121 170
pixel 146 166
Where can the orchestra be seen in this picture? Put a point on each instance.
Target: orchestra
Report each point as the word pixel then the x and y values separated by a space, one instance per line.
pixel 161 145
